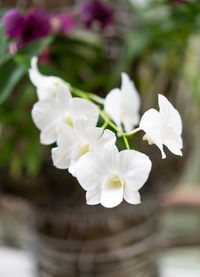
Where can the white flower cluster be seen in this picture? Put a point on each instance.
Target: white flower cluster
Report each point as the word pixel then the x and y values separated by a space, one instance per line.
pixel 89 152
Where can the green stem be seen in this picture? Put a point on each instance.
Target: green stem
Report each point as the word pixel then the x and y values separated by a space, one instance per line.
pixel 132 132
pixel 104 125
pixel 126 142
pixel 108 122
pixel 87 95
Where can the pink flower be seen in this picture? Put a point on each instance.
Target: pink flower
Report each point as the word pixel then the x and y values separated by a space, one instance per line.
pixel 63 23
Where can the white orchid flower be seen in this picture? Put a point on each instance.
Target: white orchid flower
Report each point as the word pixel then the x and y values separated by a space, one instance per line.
pixel 163 127
pixel 47 86
pixel 49 114
pixel 122 105
pixel 109 176
pixel 74 142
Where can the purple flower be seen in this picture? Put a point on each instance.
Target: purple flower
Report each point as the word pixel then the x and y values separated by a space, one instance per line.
pixel 36 25
pixel 96 11
pixel 13 22
pixel 63 23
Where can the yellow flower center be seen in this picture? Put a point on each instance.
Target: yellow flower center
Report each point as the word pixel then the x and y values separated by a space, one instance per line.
pixel 84 149
pixel 116 181
pixel 68 120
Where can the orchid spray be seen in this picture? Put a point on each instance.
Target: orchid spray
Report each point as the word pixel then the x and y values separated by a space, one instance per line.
pixel 68 117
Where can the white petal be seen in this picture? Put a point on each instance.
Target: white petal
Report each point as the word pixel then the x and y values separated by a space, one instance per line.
pixel 128 89
pixel 66 138
pixel 84 107
pixel 131 196
pixel 48 135
pixel 93 197
pixel 35 76
pixel 110 155
pixel 90 171
pixel 63 98
pixel 85 131
pixel 46 85
pixel 72 168
pixel 107 137
pixel 174 145
pixel 135 168
pixel 44 112
pixel 66 141
pixel 61 159
pixel 151 124
pixel 130 103
pixel 111 197
pixel 169 115
pixel 112 105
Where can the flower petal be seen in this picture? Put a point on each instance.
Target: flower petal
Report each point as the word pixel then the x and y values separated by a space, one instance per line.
pixel 151 124
pixel 35 76
pixel 130 103
pixel 45 113
pixel 84 107
pixel 48 135
pixel 66 141
pixel 63 98
pixel 107 137
pixel 93 197
pixel 46 85
pixel 60 159
pixel 169 115
pixel 90 171
pixel 135 168
pixel 110 155
pixel 112 105
pixel 174 144
pixel 111 197
pixel 131 196
pixel 85 131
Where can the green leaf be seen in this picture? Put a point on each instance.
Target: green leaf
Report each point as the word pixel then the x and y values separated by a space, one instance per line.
pixel 10 74
pixel 35 47
pixel 14 68
pixel 3 44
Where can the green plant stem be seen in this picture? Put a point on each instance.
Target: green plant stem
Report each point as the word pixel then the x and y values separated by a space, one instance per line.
pixel 108 122
pixel 104 125
pixel 132 132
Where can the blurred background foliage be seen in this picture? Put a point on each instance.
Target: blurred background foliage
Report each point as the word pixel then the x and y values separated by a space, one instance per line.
pixel 156 42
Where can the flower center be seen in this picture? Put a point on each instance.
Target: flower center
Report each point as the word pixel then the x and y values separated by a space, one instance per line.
pixel 148 139
pixel 68 120
pixel 116 182
pixel 84 149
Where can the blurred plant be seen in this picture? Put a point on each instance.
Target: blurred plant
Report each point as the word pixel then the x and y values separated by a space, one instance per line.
pixel 96 11
pixel 153 48
pixel 73 53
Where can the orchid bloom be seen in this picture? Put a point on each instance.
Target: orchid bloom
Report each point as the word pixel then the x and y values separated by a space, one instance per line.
pixel 109 176
pixel 97 11
pixel 122 105
pixel 49 114
pixel 47 86
pixel 74 142
pixel 163 127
